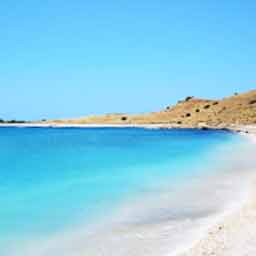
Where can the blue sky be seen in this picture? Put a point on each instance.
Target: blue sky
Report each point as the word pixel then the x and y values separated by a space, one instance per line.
pixel 72 58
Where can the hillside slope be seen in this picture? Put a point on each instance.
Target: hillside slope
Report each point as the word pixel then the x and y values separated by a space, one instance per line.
pixel 191 112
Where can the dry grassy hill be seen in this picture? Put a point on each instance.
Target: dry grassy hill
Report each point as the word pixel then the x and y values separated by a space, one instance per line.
pixel 191 112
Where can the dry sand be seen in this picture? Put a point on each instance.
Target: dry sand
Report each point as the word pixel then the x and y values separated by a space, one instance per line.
pixel 235 235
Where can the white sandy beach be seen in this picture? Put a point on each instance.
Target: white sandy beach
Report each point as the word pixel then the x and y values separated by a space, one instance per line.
pixel 235 234
pixel 48 125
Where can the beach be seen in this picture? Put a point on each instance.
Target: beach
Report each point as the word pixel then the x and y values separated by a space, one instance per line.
pixel 128 128
pixel 235 233
pixel 233 236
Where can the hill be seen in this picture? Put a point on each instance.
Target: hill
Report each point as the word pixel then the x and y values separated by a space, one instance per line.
pixel 239 109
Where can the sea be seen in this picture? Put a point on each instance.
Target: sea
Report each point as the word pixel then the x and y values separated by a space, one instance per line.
pixel 116 191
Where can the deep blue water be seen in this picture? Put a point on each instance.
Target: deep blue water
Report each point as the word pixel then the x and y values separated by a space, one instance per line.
pixel 51 179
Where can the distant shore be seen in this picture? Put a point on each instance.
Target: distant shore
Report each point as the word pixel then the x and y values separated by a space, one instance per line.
pixel 63 125
pixel 249 129
pixel 234 113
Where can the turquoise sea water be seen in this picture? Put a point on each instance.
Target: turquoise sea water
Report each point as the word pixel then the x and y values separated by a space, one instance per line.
pixel 54 179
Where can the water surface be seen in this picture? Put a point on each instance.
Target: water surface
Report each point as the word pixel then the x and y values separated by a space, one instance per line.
pixel 53 181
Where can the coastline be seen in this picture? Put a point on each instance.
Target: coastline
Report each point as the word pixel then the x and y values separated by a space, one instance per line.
pixel 55 125
pixel 232 234
pixel 250 129
pixel 226 127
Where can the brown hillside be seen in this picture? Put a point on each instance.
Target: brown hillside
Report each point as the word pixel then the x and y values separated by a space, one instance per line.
pixel 191 112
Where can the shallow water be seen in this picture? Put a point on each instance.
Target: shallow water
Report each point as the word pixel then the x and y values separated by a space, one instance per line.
pixel 112 191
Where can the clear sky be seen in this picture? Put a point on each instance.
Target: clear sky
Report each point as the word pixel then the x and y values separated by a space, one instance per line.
pixel 63 58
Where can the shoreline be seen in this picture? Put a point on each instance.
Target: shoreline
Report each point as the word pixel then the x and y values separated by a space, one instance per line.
pixel 226 127
pixel 233 233
pixel 41 125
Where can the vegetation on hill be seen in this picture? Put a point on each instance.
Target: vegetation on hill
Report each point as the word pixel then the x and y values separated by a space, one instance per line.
pixel 2 121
